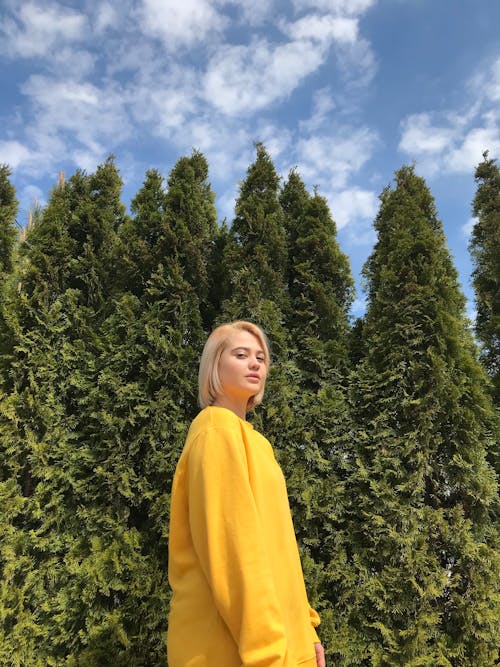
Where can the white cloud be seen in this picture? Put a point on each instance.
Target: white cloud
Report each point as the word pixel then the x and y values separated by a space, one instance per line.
pixel 88 159
pixel 356 61
pixel 15 154
pixel 36 29
pixel 60 94
pixel 469 152
pixel 452 145
pixel 420 136
pixel 106 16
pixel 468 227
pixel 487 83
pixel 326 28
pixel 181 23
pixel 353 205
pixel 454 141
pixel 323 105
pixel 77 114
pixel 331 160
pixel 165 101
pixel 227 146
pixel 346 7
pixel 354 54
pixel 277 139
pixel 245 79
pixel 252 13
pixel 67 61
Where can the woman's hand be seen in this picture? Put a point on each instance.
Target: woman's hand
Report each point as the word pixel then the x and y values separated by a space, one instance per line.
pixel 320 655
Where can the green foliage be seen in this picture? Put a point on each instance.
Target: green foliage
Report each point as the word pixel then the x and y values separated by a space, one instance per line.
pixel 485 249
pixel 104 319
pixel 8 212
pixel 422 494
pixel 320 287
pixel 65 279
pixel 320 284
pixel 256 254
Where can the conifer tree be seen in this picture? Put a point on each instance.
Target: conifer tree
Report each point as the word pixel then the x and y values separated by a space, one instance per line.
pixel 142 237
pixel 254 262
pixel 320 286
pixel 256 252
pixel 63 280
pixel 319 282
pixel 142 403
pixel 8 233
pixel 219 288
pixel 191 211
pixel 180 221
pixel 423 582
pixel 485 249
pixel 8 212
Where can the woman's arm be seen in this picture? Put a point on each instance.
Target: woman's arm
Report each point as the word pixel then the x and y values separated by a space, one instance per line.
pixel 228 541
pixel 320 655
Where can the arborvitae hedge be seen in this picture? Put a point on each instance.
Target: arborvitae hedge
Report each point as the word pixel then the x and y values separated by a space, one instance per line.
pixel 8 212
pixel 8 233
pixel 64 286
pixel 105 318
pixel 485 248
pixel 423 545
pixel 320 287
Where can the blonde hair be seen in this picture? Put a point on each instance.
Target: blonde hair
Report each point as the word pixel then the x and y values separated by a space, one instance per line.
pixel 209 386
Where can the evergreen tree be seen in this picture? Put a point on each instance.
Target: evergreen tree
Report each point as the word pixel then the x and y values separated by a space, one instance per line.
pixel 180 221
pixel 356 342
pixel 8 233
pixel 320 286
pixel 8 211
pixel 219 288
pixel 64 280
pixel 485 248
pixel 191 212
pixel 423 581
pixel 140 406
pixel 146 238
pixel 256 254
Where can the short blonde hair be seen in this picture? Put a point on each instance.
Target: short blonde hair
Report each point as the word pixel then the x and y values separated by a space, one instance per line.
pixel 209 386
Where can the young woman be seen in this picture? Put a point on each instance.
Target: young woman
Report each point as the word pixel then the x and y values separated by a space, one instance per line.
pixel 234 568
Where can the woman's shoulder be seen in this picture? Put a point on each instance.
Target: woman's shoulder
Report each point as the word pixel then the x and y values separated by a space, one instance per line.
pixel 214 417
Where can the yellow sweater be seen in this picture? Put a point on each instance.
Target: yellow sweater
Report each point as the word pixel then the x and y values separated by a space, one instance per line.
pixel 234 567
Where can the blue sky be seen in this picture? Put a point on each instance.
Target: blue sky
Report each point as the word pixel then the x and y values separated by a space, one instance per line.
pixel 345 90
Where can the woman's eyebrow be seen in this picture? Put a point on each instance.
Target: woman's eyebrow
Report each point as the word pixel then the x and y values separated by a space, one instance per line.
pixel 246 349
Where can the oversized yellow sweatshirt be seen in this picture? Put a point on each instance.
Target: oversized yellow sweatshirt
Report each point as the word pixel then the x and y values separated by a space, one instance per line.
pixel 234 567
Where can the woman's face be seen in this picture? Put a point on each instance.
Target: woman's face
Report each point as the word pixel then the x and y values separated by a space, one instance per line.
pixel 242 366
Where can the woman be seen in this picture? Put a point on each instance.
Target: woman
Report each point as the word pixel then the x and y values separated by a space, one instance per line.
pixel 234 568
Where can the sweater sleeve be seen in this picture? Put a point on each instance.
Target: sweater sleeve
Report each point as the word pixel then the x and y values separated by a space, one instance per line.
pixel 229 543
pixel 315 621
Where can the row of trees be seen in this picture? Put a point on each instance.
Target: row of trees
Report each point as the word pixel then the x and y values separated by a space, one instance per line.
pixel 386 429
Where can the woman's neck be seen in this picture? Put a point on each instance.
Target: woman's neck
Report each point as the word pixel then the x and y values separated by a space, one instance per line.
pixel 238 407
